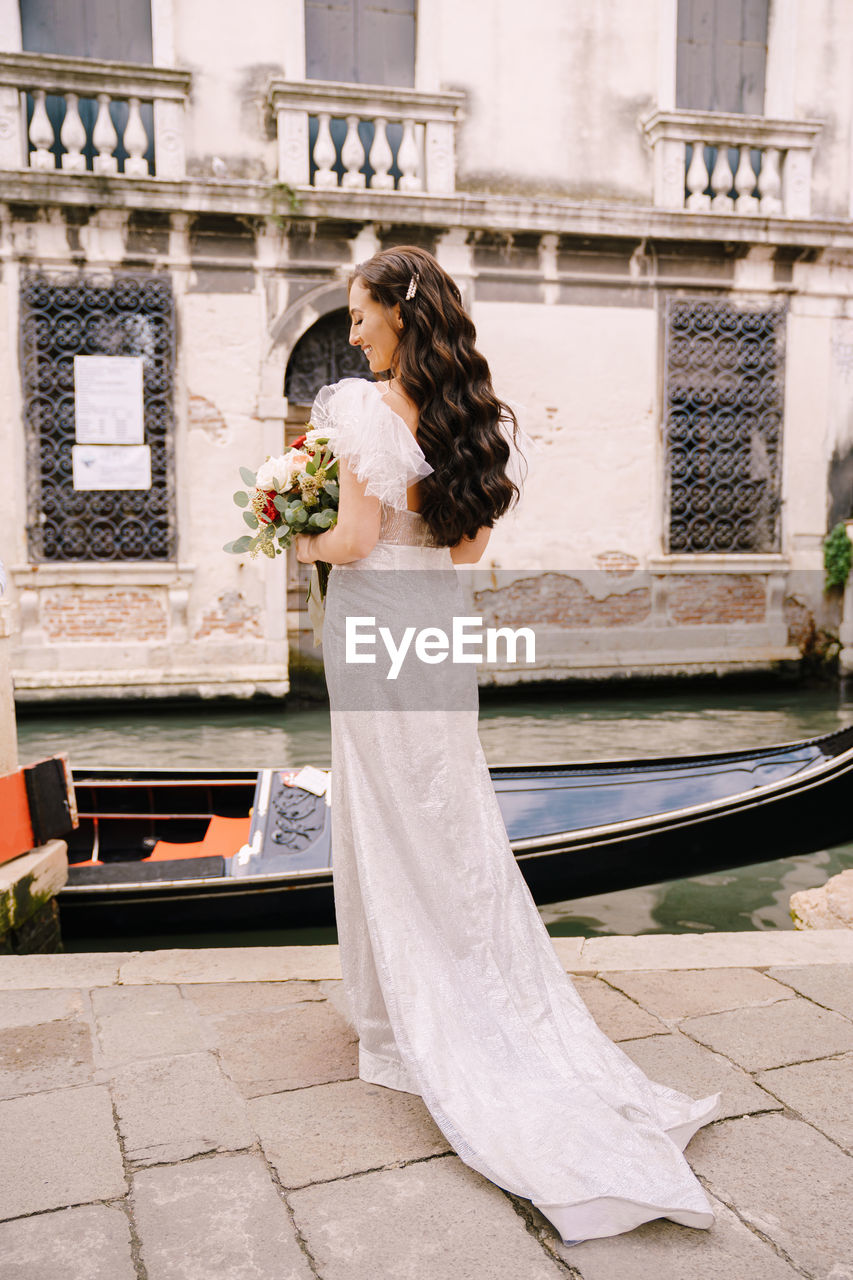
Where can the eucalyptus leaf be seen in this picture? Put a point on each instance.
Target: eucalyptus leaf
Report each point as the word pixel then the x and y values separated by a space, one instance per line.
pixel 251 519
pixel 248 477
pixel 241 498
pixel 332 489
pixel 239 545
pixel 280 503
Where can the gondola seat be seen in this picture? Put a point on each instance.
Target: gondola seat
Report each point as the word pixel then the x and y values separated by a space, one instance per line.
pixel 223 837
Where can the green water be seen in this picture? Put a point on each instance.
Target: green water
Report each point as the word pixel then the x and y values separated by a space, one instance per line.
pixel 540 728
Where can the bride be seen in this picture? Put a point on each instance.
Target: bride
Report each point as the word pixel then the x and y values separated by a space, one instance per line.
pixel 454 987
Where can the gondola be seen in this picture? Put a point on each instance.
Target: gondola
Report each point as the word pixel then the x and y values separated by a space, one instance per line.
pixel 143 859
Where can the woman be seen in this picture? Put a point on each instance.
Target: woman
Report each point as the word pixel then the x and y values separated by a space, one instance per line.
pixel 455 990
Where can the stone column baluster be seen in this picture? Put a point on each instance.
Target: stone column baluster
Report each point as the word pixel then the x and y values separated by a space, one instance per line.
pixel 324 153
pixel 697 179
pixel 745 184
pixel 352 155
pixel 721 181
pixel 381 157
pixel 408 159
pixel 135 142
pixel 72 135
pixel 770 181
pixel 105 138
pixel 41 134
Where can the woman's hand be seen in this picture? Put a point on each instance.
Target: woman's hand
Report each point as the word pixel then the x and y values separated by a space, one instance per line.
pixel 304 545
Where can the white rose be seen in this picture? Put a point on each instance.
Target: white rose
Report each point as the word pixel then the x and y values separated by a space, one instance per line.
pixel 280 469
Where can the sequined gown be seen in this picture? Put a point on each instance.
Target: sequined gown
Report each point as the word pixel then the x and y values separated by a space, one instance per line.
pixel 453 985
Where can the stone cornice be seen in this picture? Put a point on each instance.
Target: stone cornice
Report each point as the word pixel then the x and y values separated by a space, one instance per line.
pixel 463 209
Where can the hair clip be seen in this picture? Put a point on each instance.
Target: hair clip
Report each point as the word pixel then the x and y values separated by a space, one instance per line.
pixel 413 286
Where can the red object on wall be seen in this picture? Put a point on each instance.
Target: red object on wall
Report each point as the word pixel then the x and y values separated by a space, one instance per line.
pixel 16 831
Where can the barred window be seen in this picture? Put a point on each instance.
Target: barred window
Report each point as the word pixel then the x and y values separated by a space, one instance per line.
pixel 724 400
pixel 120 315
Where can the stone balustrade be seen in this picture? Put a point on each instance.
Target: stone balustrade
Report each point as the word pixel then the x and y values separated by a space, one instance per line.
pixel 365 136
pixel 706 161
pixel 80 115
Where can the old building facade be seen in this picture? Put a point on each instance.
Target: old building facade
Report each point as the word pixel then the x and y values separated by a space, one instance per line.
pixel 647 205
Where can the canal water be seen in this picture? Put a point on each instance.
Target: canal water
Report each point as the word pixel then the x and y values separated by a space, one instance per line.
pixel 527 727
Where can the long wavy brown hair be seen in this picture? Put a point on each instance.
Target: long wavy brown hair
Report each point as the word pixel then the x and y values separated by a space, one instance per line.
pixel 447 378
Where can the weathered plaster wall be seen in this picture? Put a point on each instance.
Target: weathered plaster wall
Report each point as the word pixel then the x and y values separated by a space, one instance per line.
pixel 594 482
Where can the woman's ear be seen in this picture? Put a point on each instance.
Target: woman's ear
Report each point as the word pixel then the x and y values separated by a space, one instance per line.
pixel 396 318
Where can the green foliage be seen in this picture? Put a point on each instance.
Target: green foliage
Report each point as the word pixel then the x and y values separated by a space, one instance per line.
pixel 837 557
pixel 282 193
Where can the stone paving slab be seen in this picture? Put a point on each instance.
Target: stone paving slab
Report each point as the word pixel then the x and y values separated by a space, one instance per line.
pixel 685 993
pixel 773 1035
pixel 217 1218
pixel 820 1092
pixel 432 1220
pixel 663 1250
pixel 271 1050
pixel 244 997
pixel 172 1108
pixel 25 1008
pixel 91 1242
pixel 47 1055
pixel 760 948
pixel 788 1182
pixel 58 1149
pixel 616 1015
pixel 63 969
pixel 334 1130
pixel 680 1063
pixel 231 964
pixel 831 986
pixel 146 1022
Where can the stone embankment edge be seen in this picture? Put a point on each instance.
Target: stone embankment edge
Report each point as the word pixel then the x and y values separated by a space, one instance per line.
pixel 278 964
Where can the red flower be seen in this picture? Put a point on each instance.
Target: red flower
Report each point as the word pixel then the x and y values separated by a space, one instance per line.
pixel 270 511
pixel 298 443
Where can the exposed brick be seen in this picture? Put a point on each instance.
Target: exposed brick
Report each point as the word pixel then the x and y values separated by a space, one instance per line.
pixel 621 564
pixel 702 599
pixel 556 599
pixel 204 415
pixel 230 616
pixel 76 615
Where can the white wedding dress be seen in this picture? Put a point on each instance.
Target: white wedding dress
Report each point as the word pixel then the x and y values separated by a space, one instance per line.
pixel 454 988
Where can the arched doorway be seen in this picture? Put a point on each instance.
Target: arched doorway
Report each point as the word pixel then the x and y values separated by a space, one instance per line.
pixel 321 356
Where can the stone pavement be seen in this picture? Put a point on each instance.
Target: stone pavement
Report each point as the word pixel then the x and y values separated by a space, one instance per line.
pixel 197 1115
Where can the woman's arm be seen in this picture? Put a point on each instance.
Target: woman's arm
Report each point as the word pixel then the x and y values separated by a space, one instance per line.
pixel 356 531
pixel 469 550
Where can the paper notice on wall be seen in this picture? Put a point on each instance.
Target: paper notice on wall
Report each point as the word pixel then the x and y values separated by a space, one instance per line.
pixel 108 402
pixel 111 466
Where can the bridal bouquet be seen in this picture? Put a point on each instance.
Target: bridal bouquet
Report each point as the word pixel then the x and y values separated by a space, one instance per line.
pixel 294 493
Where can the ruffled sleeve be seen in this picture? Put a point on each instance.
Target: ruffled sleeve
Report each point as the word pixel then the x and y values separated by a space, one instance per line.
pixel 376 445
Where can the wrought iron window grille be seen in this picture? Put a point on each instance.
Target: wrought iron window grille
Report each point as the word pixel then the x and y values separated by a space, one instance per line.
pixel 724 370
pixel 123 314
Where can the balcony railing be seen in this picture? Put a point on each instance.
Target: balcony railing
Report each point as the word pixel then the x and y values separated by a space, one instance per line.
pixel 709 161
pixel 80 115
pixel 365 136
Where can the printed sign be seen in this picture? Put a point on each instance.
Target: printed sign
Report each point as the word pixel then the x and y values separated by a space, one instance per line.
pixel 111 466
pixel 108 403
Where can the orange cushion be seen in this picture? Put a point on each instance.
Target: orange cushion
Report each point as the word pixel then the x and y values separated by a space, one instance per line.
pixel 224 836
pixel 16 831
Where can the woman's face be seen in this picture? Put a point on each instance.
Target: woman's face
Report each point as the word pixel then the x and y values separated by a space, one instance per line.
pixel 373 328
